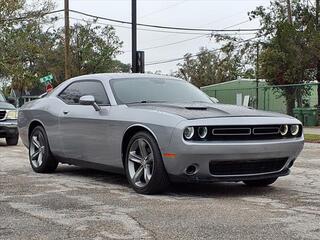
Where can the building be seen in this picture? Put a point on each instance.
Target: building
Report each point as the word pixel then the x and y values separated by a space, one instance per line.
pixel 269 98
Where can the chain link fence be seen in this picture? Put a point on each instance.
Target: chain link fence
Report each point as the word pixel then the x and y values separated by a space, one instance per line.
pixel 276 98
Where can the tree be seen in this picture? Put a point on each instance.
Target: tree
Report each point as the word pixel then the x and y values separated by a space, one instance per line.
pixel 19 25
pixel 93 50
pixel 31 47
pixel 211 67
pixel 290 50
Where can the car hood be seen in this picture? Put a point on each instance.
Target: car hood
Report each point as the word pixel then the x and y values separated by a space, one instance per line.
pixel 5 105
pixel 205 110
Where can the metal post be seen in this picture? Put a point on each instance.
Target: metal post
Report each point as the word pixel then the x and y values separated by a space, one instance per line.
pixel 134 35
pixel 257 77
pixel 66 40
pixel 318 63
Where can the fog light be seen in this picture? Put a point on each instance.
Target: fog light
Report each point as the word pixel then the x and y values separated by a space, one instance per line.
pixel 294 130
pixel 202 131
pixel 284 129
pixel 188 132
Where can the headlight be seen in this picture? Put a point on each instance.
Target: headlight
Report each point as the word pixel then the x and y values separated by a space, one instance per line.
pixel 12 114
pixel 284 129
pixel 202 132
pixel 188 132
pixel 294 129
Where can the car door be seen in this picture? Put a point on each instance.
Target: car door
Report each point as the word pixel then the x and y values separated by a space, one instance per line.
pixel 84 131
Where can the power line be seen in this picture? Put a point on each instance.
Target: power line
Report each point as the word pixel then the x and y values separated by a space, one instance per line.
pixel 168 27
pixel 163 9
pixel 27 17
pixel 195 55
pixel 173 43
pixel 140 29
pixel 190 39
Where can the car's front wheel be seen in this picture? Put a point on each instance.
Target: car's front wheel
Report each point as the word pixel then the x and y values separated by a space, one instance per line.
pixel 143 164
pixel 261 182
pixel 41 159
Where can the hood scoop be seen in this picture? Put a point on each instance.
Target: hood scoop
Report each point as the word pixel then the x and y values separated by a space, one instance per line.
pixel 197 108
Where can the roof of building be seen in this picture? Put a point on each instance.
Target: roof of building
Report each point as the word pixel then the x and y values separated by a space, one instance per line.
pixel 236 80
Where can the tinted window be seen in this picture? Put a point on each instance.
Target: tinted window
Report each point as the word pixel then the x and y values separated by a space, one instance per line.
pixel 73 92
pixel 156 90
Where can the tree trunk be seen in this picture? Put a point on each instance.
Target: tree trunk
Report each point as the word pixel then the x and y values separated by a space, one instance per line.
pixel 290 100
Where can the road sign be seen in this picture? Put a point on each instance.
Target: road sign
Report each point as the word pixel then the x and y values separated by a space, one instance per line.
pixel 49 88
pixel 46 79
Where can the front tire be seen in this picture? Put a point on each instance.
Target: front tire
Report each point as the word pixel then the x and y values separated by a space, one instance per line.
pixel 260 183
pixel 144 166
pixel 40 157
pixel 12 141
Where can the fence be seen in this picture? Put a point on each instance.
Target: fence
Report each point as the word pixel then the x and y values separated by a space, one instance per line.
pixel 267 97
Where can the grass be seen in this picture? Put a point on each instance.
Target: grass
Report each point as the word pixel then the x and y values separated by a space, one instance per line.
pixel 314 138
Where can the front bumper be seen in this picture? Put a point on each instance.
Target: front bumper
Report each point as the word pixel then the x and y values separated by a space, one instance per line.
pixel 8 128
pixel 201 154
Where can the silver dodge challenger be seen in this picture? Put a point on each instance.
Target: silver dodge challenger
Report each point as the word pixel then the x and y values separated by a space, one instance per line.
pixel 156 130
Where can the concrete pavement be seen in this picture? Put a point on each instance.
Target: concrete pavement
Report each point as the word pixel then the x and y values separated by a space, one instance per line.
pixel 77 203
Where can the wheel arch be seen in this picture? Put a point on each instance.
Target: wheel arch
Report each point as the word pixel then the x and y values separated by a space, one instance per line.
pixel 130 131
pixel 33 125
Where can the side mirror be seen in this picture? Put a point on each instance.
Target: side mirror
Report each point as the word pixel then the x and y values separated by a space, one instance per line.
pixel 89 100
pixel 12 101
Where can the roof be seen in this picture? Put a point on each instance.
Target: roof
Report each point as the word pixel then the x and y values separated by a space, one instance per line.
pixel 236 80
pixel 109 76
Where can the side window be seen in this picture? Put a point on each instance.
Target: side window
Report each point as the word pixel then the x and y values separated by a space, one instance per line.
pixel 74 91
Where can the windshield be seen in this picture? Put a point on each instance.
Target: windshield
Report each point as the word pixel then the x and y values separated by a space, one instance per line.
pixel 2 98
pixel 144 90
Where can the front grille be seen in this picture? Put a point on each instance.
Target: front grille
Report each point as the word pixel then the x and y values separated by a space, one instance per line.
pixel 231 131
pixel 2 114
pixel 242 133
pixel 246 167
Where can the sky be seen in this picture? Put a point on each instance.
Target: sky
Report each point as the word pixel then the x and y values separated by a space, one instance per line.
pixel 213 14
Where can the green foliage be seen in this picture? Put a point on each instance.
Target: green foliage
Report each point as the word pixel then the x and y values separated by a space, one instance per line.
pixel 32 47
pixel 211 67
pixel 290 51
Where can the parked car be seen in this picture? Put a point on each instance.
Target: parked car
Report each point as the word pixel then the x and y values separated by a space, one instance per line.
pixel 8 120
pixel 156 129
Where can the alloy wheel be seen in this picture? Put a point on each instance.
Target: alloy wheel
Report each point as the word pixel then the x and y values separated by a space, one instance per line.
pixel 37 150
pixel 140 162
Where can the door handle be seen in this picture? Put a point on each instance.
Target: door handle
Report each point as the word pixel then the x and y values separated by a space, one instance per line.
pixel 65 112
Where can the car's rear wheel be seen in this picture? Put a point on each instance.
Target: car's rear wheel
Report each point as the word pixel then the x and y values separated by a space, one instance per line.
pixel 12 141
pixel 261 182
pixel 143 164
pixel 41 159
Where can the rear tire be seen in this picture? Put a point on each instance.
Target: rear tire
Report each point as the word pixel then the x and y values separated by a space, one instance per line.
pixel 260 183
pixel 144 166
pixel 12 141
pixel 40 156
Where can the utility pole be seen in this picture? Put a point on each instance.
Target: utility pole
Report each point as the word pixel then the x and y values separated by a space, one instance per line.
pixel 318 64
pixel 257 77
pixel 289 11
pixel 134 35
pixel 67 63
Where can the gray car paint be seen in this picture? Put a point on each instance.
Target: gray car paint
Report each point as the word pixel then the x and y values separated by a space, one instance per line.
pixel 80 132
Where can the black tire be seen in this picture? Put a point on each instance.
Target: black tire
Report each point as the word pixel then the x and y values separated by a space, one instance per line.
pixel 260 183
pixel 12 141
pixel 48 163
pixel 159 180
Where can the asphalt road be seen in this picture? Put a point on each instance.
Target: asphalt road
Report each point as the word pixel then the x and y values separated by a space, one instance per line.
pixel 77 203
